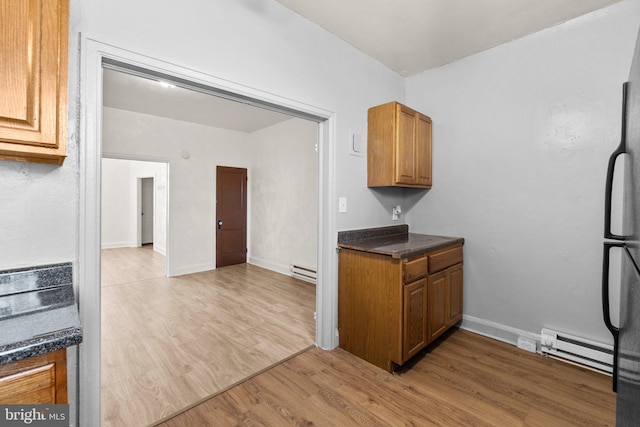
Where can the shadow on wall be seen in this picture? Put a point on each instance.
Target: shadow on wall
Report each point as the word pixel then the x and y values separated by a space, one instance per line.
pixel 407 198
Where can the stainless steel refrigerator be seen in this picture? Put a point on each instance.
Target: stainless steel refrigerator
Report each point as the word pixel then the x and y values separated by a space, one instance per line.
pixel 626 370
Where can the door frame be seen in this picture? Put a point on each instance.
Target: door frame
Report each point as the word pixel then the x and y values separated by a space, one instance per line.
pixel 139 181
pixel 92 54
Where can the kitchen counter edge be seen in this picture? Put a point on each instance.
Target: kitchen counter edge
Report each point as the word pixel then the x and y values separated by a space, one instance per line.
pixel 395 241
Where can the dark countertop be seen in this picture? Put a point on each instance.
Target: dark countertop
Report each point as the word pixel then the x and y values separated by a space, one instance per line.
pixel 38 311
pixel 394 241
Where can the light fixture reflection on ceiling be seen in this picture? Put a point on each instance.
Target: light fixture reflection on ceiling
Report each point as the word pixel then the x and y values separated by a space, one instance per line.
pixel 165 84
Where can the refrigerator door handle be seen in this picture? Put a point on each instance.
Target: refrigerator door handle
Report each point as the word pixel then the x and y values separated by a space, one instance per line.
pixel 606 311
pixel 622 149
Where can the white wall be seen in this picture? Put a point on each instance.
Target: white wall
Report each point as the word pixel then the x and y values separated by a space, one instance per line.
pixel 116 204
pixel 522 135
pixel 261 44
pixel 284 193
pixel 119 207
pixel 282 203
pixel 191 235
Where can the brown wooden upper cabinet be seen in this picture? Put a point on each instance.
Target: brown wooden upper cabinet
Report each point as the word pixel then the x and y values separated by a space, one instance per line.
pixel 398 147
pixel 33 80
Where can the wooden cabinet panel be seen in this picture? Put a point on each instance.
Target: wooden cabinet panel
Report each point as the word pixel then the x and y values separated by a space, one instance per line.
pixel 443 259
pixel 33 81
pixel 423 150
pixel 415 318
pixel 38 380
pixel 437 302
pixel 415 268
pixel 389 309
pixel 398 147
pixel 444 295
pixel 455 295
pixel 34 386
pixel 370 299
pixel 405 146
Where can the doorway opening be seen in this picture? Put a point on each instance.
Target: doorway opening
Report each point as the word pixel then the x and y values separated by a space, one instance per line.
pixel 195 198
pixel 94 55
pixel 146 211
pixel 134 204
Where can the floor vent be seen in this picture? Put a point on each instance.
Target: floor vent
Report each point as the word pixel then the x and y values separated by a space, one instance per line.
pixel 303 272
pixel 577 350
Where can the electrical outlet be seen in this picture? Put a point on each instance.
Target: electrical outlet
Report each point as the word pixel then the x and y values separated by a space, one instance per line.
pixel 395 212
pixel 527 344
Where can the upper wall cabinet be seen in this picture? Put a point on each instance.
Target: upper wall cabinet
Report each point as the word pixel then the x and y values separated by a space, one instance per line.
pixel 33 80
pixel 399 147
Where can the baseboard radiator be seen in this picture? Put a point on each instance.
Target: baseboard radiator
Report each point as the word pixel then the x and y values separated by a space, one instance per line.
pixel 303 272
pixel 577 350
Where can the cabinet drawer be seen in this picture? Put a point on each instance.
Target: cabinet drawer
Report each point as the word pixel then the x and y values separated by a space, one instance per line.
pixel 414 269
pixel 35 386
pixel 446 258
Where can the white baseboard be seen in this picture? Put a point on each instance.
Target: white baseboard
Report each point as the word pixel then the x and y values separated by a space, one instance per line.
pixel 496 331
pixel 278 268
pixel 113 245
pixel 160 250
pixel 191 269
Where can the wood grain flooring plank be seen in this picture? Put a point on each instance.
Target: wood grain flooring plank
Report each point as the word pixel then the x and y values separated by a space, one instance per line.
pixel 169 343
pixel 451 384
pixel 550 395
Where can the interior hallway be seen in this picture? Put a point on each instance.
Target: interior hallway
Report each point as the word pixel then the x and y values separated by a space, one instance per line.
pixel 169 343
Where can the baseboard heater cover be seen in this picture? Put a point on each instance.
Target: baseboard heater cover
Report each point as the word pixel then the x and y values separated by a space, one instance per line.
pixel 303 272
pixel 577 350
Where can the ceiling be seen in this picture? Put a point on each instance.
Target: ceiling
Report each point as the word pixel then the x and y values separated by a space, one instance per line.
pixel 411 36
pixel 147 96
pixel 408 36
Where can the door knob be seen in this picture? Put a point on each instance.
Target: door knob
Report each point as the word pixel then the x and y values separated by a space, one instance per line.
pixel 219 224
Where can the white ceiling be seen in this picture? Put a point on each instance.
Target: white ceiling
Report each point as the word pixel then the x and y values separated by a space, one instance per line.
pixel 141 95
pixel 408 36
pixel 411 36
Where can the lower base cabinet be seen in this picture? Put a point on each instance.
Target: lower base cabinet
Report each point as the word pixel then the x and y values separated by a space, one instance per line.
pixel 389 309
pixel 444 293
pixel 415 318
pixel 39 380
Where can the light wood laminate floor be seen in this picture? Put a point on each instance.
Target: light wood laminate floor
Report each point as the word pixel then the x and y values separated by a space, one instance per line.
pixel 169 343
pixel 465 380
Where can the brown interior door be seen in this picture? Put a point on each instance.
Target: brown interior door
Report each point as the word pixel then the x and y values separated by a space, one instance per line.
pixel 231 216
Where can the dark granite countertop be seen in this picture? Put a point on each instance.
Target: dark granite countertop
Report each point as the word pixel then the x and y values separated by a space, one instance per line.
pixel 394 241
pixel 38 311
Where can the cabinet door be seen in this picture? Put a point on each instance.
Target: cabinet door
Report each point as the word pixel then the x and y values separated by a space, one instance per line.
pixel 415 318
pixel 455 294
pixel 405 146
pixel 39 380
pixel 423 150
pixel 437 299
pixel 33 81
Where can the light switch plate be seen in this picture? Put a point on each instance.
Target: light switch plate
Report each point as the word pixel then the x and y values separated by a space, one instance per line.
pixel 342 204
